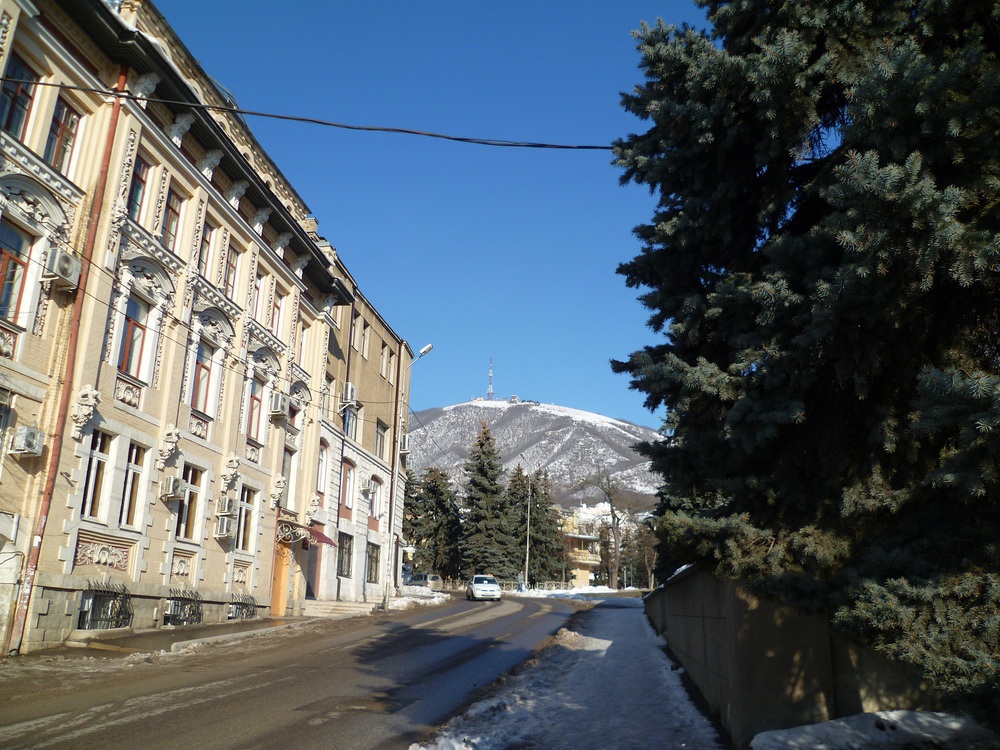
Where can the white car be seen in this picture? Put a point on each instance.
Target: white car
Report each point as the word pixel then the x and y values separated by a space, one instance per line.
pixel 483 587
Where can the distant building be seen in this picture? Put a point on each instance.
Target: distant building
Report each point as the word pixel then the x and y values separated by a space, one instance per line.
pixel 583 556
pixel 200 412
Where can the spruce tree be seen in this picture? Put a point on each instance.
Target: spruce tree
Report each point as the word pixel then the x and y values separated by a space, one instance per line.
pixel 824 264
pixel 431 523
pixel 488 540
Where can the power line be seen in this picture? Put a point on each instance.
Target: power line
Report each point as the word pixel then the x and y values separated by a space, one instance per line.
pixel 324 123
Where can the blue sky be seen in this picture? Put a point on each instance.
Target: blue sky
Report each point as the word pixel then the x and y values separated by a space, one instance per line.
pixel 482 251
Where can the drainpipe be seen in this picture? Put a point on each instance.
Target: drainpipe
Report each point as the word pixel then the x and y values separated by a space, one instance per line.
pixel 66 392
pixel 393 571
pixel 343 432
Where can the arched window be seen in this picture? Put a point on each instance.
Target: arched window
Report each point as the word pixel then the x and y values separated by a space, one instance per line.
pixel 348 479
pixel 321 468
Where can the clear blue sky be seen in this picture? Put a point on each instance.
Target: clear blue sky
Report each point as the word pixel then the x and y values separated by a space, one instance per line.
pixel 482 251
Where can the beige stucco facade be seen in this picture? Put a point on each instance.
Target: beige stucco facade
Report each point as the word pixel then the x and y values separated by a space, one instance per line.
pixel 186 366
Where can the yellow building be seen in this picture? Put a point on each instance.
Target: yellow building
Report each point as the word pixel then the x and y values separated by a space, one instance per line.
pixel 582 552
pixel 197 403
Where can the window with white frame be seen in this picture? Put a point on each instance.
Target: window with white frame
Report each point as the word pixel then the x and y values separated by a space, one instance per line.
pixel 201 383
pixel 205 248
pixel 186 523
pixel 348 478
pixel 132 487
pixel 383 361
pixel 376 498
pixel 136 338
pixel 171 220
pixel 231 272
pixel 255 414
pixel 381 435
pixel 137 188
pixel 259 296
pixel 288 462
pixel 15 251
pixel 245 511
pixel 6 401
pixel 278 313
pixel 322 461
pixel 366 337
pixel 62 136
pixel 16 96
pixel 96 474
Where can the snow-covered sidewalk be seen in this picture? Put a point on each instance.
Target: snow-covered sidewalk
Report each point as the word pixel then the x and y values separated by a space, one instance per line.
pixel 605 683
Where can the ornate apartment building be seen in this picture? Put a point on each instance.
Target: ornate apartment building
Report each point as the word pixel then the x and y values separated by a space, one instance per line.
pixel 201 415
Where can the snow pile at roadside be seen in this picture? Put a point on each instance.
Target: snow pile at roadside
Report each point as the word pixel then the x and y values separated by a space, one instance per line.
pixel 418 600
pixel 913 730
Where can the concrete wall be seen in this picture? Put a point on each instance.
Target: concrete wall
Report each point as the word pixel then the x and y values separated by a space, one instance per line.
pixel 763 666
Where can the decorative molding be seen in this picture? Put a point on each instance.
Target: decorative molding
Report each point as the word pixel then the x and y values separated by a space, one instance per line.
pixel 144 86
pixel 181 566
pixel 230 473
pixel 127 392
pixel 83 409
pixel 235 192
pixel 277 490
pixel 198 426
pixel 207 163
pixel 168 446
pixel 260 219
pixel 94 550
pixel 181 125
pixel 4 31
pixel 8 343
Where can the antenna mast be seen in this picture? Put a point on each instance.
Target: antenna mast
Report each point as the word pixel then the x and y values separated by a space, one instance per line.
pixel 489 391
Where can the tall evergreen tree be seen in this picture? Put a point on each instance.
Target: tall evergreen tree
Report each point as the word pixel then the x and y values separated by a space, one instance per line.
pixel 488 540
pixel 432 525
pixel 824 265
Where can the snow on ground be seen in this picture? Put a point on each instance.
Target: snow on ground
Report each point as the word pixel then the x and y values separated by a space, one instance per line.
pixel 605 683
pixel 412 598
pixel 913 730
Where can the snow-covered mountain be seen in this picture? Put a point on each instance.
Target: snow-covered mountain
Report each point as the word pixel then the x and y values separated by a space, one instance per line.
pixel 571 444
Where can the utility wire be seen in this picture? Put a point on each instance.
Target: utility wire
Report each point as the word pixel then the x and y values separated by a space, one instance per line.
pixel 323 123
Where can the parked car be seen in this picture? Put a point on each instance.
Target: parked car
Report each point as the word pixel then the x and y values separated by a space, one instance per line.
pixel 430 580
pixel 483 587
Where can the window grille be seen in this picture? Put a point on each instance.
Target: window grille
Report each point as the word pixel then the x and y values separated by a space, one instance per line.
pixel 105 606
pixel 183 608
pixel 242 607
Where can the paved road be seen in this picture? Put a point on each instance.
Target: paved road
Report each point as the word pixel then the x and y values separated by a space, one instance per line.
pixel 380 682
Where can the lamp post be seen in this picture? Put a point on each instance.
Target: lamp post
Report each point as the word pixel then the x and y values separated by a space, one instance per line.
pixel 392 549
pixel 527 536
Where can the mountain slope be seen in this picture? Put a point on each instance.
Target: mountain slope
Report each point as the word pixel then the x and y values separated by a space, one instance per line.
pixel 571 444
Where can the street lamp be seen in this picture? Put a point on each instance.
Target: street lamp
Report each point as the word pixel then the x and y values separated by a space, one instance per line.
pixel 527 537
pixel 392 552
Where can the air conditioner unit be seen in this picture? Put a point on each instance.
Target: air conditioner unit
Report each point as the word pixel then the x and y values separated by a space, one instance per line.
pixel 27 441
pixel 404 444
pixel 280 404
pixel 368 487
pixel 171 488
pixel 225 506
pixel 350 393
pixel 224 528
pixel 62 269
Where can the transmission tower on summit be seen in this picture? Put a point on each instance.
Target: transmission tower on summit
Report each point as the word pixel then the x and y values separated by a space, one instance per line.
pixel 489 390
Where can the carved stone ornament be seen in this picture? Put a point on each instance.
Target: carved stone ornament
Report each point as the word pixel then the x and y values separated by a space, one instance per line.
pixel 231 472
pixel 277 490
pixel 144 86
pixel 260 219
pixel 236 191
pixel 181 125
pixel 83 409
pixel 281 242
pixel 168 446
pixel 208 162
pixel 114 556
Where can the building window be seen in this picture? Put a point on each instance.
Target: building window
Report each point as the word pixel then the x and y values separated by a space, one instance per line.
pixel 187 510
pixel 366 337
pixel 6 400
pixel 232 271
pixel 287 462
pixel 383 361
pixel 376 499
pixel 303 345
pixel 137 188
pixel 381 431
pixel 205 249
pixel 277 314
pixel 259 291
pixel 372 560
pixel 321 468
pixel 347 480
pixel 255 418
pixel 62 135
pixel 132 488
pixel 244 519
pixel 391 376
pixel 97 467
pixel 202 384
pixel 356 325
pixel 171 220
pixel 345 554
pixel 350 422
pixel 329 401
pixel 15 247
pixel 15 96
pixel 134 337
